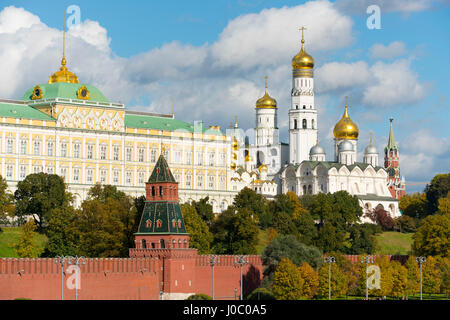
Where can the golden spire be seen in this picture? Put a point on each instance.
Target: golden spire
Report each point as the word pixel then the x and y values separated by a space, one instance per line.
pixel 371 133
pixel 63 75
pixel 302 60
pixel 346 128
pixel 235 122
pixel 266 102
pixel 173 108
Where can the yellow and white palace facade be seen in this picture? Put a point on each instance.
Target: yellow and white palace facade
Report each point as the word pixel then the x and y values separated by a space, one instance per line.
pixel 70 129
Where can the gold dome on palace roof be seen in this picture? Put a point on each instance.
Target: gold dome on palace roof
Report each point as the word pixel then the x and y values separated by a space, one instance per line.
pixel 63 75
pixel 346 128
pixel 266 102
pixel 303 60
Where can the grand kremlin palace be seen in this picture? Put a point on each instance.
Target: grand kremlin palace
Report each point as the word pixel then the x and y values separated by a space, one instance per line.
pixel 71 129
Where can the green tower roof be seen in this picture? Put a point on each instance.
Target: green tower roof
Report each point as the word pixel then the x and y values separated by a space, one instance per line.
pixel 162 218
pixel 161 172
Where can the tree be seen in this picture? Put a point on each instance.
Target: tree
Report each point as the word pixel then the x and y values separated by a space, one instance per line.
pixel 248 198
pixel 399 275
pixel 283 223
pixel 38 194
pixel 405 224
pixel 381 217
pixel 204 210
pixel 444 205
pixel 338 281
pixel 432 236
pixel 310 281
pixel 431 276
pixel 288 246
pixel 62 240
pixel 26 247
pixel 235 232
pixel 199 296
pixel 306 229
pixel 261 294
pixel 413 276
pixel 330 238
pixel 287 282
pixel 438 188
pixel 414 205
pixel 201 238
pixel 385 277
pixel 6 202
pixel 361 239
pixel 444 268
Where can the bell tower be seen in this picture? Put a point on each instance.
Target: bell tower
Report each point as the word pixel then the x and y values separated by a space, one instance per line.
pixel 392 165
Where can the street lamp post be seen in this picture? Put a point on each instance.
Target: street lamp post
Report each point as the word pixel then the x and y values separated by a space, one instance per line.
pixel 241 260
pixel 212 261
pixel 421 260
pixel 62 260
pixel 367 260
pixel 329 260
pixel 78 276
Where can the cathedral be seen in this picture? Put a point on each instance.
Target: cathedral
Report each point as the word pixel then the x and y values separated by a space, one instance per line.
pixel 302 166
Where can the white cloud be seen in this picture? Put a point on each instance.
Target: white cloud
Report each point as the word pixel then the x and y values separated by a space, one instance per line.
pixel 403 6
pixel 13 19
pixel 337 75
pixel 394 49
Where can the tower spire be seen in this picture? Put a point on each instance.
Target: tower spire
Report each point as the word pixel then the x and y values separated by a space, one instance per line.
pixel 391 141
pixel 63 60
pixel 266 78
pixel 371 133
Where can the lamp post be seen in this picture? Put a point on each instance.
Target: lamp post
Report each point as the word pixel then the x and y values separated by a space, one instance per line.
pixel 421 260
pixel 78 276
pixel 367 260
pixel 61 260
pixel 241 260
pixel 329 260
pixel 212 261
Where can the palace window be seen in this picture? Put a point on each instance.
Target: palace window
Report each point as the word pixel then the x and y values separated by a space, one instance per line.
pixel 304 123
pixel 211 159
pixel 223 158
pixel 141 155
pixel 89 175
pixel 166 155
pixel 103 150
pixel 188 181
pixel 177 177
pixel 76 175
pixel 129 153
pixel 49 170
pixel 50 148
pixel 177 156
pixel 116 176
pixel 90 151
pixel 189 157
pixel 10 145
pixel 199 158
pixel 128 178
pixel 9 171
pixel 116 153
pixel 200 181
pixel 63 149
pixel 103 176
pixel 141 177
pixel 295 123
pixel 63 173
pixel 153 155
pixel 222 182
pixel 23 146
pixel 76 149
pixel 211 182
pixel 37 169
pixel 37 147
pixel 22 172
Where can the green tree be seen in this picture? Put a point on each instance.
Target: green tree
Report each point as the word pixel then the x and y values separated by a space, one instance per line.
pixel 436 189
pixel 444 205
pixel 432 236
pixel 444 268
pixel 288 246
pixel 405 224
pixel 204 210
pixel 235 232
pixel 287 282
pixel 256 203
pixel 413 276
pixel 431 276
pixel 386 280
pixel 26 247
pixel 306 229
pixel 330 238
pixel 38 194
pixel 414 205
pixel 62 240
pixel 399 276
pixel 310 281
pixel 201 237
pixel 338 281
pixel 6 202
pixel 284 224
pixel 361 239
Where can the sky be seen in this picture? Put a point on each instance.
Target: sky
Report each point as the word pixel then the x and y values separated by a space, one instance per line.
pixel 210 59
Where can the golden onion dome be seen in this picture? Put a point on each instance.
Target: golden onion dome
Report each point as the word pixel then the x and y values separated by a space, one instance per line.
pixel 302 60
pixel 233 166
pixel 266 102
pixel 235 144
pixel 346 128
pixel 63 75
pixel 248 158
pixel 262 168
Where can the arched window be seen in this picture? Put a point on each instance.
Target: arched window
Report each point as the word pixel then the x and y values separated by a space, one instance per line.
pixel 310 189
pixel 304 106
pixel 160 190
pixel 153 191
pixel 144 244
pixel 304 123
pixel 295 123
pixel 162 244
pixel 304 189
pixel 312 123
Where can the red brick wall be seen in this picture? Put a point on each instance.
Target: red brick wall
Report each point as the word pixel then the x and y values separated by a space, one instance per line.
pixel 40 279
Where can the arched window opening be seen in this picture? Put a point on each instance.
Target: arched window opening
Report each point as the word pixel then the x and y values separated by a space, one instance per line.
pixel 304 123
pixel 295 123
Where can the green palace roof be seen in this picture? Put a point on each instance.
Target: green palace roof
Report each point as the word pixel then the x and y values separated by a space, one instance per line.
pixel 22 111
pixel 67 91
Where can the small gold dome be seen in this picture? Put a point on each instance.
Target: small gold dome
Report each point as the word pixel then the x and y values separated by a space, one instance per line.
pixel 302 60
pixel 233 166
pixel 266 102
pixel 262 168
pixel 235 144
pixel 346 128
pixel 248 158
pixel 63 75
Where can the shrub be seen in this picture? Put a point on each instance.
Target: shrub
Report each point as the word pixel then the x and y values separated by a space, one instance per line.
pixel 199 296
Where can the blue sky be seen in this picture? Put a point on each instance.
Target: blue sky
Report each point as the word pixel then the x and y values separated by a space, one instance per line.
pixel 201 54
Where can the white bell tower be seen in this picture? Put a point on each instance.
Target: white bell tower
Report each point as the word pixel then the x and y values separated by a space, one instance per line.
pixel 303 113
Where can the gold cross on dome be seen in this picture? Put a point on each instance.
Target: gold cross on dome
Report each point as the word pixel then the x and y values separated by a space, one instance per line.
pixel 265 78
pixel 303 29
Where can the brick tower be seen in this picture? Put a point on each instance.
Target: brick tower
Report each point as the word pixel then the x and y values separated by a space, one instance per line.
pixel 161 225
pixel 392 165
